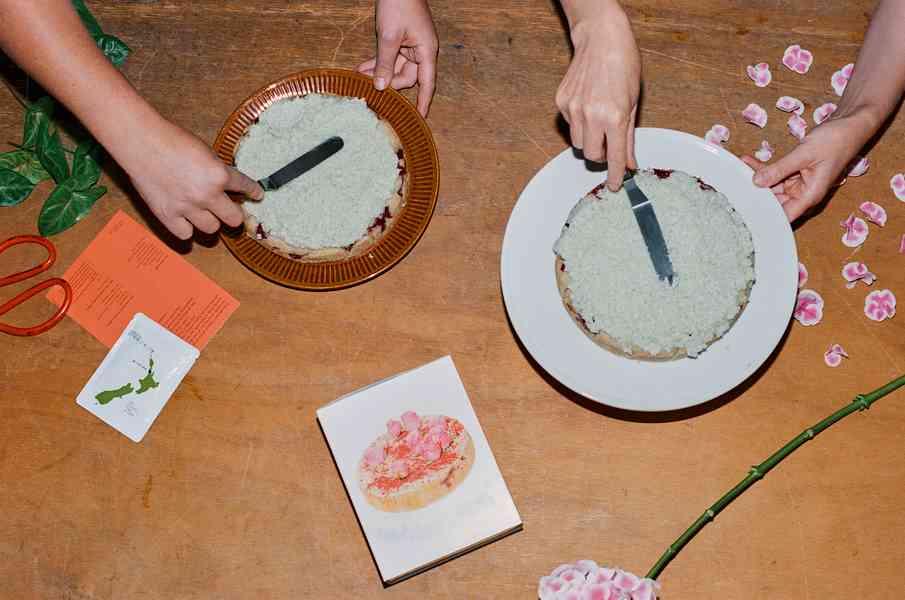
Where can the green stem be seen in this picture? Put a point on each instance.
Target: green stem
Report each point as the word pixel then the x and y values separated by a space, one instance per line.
pixel 861 402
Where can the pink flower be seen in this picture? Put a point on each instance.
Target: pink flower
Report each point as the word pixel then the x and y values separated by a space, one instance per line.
pixel 399 469
pixel 765 152
pixel 897 183
pixel 755 115
pixel 856 231
pixel 717 135
pixel 411 420
pixel 394 427
pixel 591 582
pixel 790 104
pixel 626 581
pixel 760 74
pixel 802 275
pixel 600 591
pixel 880 305
pixel 797 59
pixel 646 590
pixel 875 213
pixel 858 166
pixel 823 112
pixel 798 127
pixel 412 438
pixel 374 455
pixel 857 271
pixel 833 357
pixel 840 78
pixel 809 308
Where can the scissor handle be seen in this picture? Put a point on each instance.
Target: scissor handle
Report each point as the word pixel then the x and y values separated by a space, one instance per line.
pixel 22 297
pixel 28 239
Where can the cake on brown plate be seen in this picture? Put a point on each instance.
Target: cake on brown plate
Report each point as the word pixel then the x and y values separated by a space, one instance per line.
pixel 419 460
pixel 608 284
pixel 341 207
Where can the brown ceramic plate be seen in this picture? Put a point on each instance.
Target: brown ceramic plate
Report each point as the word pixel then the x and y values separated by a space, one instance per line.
pixel 422 171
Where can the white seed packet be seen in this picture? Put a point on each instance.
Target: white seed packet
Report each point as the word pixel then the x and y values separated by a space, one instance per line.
pixel 137 377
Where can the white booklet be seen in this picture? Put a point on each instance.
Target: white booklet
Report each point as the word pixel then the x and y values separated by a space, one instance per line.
pixel 419 471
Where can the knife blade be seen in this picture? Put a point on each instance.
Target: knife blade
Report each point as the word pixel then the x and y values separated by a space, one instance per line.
pixel 644 213
pixel 302 164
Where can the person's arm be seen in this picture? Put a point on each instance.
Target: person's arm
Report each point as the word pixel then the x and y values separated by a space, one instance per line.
pixel 406 49
pixel 176 173
pixel 598 97
pixel 802 178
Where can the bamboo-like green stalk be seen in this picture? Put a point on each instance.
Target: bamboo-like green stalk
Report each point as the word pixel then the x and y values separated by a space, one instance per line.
pixel 861 402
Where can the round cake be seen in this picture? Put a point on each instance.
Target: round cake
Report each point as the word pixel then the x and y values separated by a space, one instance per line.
pixel 416 462
pixel 608 284
pixel 342 206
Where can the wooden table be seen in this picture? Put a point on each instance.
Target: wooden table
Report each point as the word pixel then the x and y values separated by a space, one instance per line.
pixel 233 493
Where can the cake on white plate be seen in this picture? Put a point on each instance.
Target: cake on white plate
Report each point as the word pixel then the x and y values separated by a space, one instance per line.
pixel 608 283
pixel 341 207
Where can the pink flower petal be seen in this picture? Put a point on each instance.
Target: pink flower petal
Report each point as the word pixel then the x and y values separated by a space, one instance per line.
pixel 822 112
pixel 626 581
pixel 847 70
pixel 797 59
pixel 399 469
pixel 412 438
pixel 833 357
pixel 394 427
pixel 809 307
pixel 798 127
pixel 601 591
pixel 897 183
pixel 755 114
pixel 902 245
pixel 802 275
pixel 875 213
pixel 856 231
pixel 765 152
pixel 858 166
pixel 586 566
pixel 760 74
pixel 375 454
pixel 880 305
pixel 646 590
pixel 717 134
pixel 790 104
pixel 548 587
pixel 857 271
pixel 839 82
pixel 411 420
pixel 562 569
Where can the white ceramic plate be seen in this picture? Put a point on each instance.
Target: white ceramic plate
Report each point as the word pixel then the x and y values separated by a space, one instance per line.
pixel 555 341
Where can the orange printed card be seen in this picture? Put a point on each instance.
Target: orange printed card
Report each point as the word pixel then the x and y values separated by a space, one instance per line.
pixel 125 270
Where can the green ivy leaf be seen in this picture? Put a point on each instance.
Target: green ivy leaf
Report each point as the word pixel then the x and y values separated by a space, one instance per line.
pixel 85 170
pixel 49 151
pixel 88 19
pixel 113 48
pixel 37 117
pixel 25 163
pixel 65 207
pixel 14 188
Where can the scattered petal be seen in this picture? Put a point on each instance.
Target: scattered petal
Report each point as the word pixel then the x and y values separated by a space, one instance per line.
pixel 765 152
pixel 857 271
pixel 755 115
pixel 833 357
pixel 897 183
pixel 375 454
pixel 856 231
pixel 797 59
pixel 902 245
pixel 823 112
pixel 411 420
pixel 790 104
pixel 798 127
pixel 875 213
pixel 840 78
pixel 717 134
pixel 880 305
pixel 802 275
pixel 394 427
pixel 760 74
pixel 809 307
pixel 858 166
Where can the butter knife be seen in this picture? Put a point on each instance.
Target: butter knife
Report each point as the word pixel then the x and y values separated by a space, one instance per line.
pixel 644 213
pixel 302 164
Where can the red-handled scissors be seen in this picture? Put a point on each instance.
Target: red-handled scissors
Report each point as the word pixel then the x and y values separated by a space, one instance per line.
pixel 23 275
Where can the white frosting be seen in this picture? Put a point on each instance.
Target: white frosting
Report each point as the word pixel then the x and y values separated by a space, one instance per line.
pixel 333 204
pixel 612 280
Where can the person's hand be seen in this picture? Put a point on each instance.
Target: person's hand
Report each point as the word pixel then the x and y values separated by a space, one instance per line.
pixel 406 49
pixel 802 178
pixel 599 95
pixel 185 184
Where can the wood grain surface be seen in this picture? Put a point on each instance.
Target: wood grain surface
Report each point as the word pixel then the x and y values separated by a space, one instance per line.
pixel 233 493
